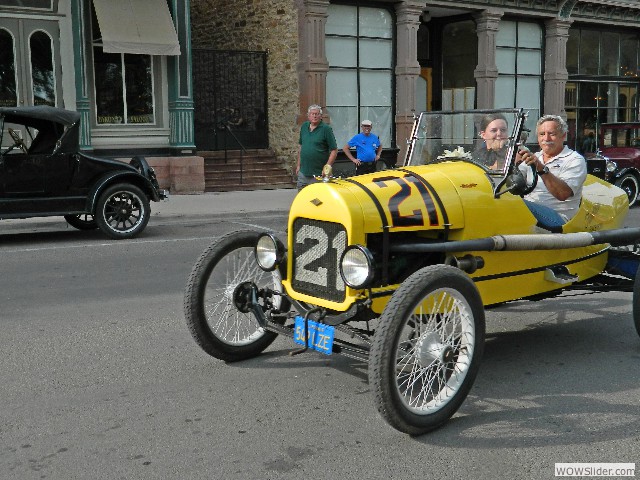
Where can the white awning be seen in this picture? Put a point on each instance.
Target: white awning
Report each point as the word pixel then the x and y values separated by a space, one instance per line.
pixel 137 26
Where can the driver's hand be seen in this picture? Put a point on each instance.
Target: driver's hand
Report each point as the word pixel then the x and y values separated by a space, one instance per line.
pixel 525 155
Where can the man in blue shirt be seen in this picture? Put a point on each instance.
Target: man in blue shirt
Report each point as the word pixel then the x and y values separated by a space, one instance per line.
pixel 367 147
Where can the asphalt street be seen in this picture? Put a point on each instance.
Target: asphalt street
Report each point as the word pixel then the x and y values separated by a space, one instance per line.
pixel 101 379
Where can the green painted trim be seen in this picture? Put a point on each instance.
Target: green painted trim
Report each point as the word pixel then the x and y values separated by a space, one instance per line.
pixel 79 60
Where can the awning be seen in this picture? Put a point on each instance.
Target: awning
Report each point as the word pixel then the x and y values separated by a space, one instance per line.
pixel 137 26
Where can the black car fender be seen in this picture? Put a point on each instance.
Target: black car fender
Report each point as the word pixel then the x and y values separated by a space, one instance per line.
pixel 620 172
pixel 120 177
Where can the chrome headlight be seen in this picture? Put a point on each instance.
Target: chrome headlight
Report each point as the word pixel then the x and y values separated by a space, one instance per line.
pixel 356 266
pixel 611 166
pixel 269 252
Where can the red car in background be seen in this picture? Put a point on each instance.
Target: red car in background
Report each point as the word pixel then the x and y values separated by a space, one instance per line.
pixel 618 157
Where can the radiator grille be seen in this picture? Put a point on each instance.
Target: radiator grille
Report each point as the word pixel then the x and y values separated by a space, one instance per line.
pixel 317 248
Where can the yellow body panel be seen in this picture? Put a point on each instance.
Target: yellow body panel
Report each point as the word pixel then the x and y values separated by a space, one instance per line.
pixel 455 201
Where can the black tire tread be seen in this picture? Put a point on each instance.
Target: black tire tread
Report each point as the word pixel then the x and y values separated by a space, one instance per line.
pixel 382 348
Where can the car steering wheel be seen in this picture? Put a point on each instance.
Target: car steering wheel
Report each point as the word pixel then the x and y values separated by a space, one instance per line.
pixel 18 142
pixel 516 182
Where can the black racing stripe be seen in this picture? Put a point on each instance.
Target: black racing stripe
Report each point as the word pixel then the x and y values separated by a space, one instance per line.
pixel 537 269
pixel 374 199
pixel 445 217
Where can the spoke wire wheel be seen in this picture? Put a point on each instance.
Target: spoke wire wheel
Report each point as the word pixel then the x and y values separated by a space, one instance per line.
pixel 215 322
pixel 427 349
pixel 122 211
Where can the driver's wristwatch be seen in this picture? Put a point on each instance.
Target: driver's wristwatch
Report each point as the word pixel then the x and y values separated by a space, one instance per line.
pixel 544 171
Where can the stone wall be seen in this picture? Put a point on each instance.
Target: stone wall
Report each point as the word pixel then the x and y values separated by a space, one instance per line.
pixel 259 25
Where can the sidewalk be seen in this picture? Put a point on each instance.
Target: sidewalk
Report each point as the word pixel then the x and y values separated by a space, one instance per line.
pixel 225 202
pixel 212 203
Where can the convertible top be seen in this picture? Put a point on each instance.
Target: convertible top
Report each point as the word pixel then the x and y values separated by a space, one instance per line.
pixel 33 116
pixel 58 129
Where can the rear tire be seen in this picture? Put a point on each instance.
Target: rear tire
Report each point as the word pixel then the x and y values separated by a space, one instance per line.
pixel 82 221
pixel 636 302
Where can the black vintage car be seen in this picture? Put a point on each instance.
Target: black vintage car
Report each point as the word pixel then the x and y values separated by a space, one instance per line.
pixel 43 173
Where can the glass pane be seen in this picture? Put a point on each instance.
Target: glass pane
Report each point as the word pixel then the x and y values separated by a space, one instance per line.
pixel 570 94
pixel 108 82
pixel 8 93
pixel 573 48
pixel 505 90
pixel 528 92
pixel 343 122
pixel 588 95
pixel 382 119
pixel 529 35
pixel 609 54
pixel 506 36
pixel 628 55
pixel 342 87
pixel 588 52
pixel 375 22
pixel 342 20
pixel 41 52
pixel 506 60
pixel 375 88
pixel 529 62
pixel 459 53
pixel 375 53
pixel 341 52
pixel 139 89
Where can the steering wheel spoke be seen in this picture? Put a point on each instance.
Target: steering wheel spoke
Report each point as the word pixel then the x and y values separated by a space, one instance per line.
pixel 17 140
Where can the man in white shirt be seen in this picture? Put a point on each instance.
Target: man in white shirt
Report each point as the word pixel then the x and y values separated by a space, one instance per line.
pixel 561 174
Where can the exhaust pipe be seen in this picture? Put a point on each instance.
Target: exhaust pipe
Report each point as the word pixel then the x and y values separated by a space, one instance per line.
pixel 550 241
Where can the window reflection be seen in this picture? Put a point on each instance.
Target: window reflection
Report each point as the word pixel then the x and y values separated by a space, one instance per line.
pixel 123 84
pixel 8 94
pixel 41 50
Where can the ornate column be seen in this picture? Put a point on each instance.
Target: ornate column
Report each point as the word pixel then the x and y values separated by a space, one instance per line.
pixel 407 69
pixel 555 71
pixel 80 61
pixel 486 71
pixel 181 107
pixel 312 61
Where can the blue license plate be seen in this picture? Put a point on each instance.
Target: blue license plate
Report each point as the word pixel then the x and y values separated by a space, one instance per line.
pixel 320 337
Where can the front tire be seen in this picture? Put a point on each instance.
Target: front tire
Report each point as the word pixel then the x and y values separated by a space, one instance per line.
pixel 629 183
pixel 83 221
pixel 122 211
pixel 427 349
pixel 216 324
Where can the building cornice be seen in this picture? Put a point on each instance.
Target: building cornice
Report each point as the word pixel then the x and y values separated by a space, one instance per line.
pixel 621 12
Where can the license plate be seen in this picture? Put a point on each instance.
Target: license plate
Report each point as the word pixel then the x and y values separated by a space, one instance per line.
pixel 320 337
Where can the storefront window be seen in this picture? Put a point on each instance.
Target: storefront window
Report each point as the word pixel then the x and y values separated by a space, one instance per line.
pixel 123 86
pixel 43 78
pixel 359 49
pixel 519 61
pixel 603 81
pixel 8 94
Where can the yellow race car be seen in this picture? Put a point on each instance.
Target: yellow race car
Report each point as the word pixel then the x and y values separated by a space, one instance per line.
pixel 397 267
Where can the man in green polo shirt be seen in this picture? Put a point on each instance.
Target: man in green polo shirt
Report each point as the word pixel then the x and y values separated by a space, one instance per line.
pixel 317 147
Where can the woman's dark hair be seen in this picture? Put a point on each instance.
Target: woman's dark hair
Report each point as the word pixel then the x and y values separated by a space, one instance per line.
pixel 490 117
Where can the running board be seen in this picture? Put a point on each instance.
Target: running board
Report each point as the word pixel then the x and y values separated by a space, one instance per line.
pixel 559 274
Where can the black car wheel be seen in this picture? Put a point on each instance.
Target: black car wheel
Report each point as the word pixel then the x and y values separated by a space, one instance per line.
pixel 82 221
pixel 629 183
pixel 123 211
